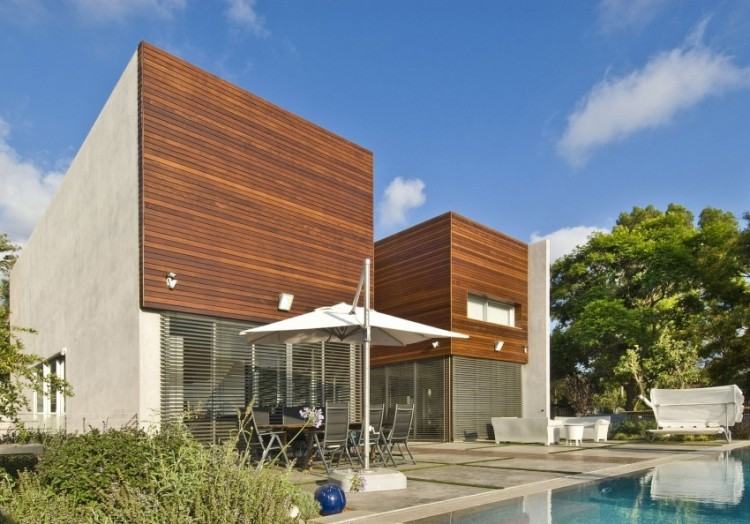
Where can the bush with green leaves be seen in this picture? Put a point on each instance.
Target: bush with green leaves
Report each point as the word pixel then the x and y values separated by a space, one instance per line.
pixel 630 429
pixel 123 476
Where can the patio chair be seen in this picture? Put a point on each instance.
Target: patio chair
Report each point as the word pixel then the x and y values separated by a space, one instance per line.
pixel 335 436
pixel 377 435
pixel 263 442
pixel 399 434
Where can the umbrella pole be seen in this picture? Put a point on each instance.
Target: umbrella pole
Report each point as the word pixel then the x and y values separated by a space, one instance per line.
pixel 366 365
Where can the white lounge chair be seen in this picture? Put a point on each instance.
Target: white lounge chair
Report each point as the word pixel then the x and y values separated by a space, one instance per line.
pixel 699 411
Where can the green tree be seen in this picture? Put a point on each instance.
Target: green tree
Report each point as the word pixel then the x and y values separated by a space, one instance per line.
pixel 18 369
pixel 657 301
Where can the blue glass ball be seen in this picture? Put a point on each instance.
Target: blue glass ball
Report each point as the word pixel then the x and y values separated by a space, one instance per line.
pixel 331 499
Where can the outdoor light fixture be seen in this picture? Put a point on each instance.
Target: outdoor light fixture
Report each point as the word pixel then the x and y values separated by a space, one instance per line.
pixel 499 345
pixel 526 349
pixel 285 301
pixel 171 280
pixel 435 344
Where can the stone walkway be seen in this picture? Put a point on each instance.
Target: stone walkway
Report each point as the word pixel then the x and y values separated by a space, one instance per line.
pixel 450 476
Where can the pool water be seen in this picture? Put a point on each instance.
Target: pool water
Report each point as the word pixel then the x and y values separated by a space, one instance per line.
pixel 708 489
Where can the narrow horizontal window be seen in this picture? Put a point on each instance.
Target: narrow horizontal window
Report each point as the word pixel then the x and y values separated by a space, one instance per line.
pixel 487 310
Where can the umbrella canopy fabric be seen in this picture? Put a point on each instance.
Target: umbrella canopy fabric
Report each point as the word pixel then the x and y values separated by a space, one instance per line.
pixel 339 323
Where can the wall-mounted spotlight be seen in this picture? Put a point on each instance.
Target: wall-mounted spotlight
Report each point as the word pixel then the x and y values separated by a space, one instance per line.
pixel 285 301
pixel 499 345
pixel 526 350
pixel 435 344
pixel 171 280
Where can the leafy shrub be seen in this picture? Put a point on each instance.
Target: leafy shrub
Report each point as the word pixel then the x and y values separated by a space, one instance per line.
pixel 84 467
pixel 632 429
pixel 14 464
pixel 27 500
pixel 20 434
pixel 124 476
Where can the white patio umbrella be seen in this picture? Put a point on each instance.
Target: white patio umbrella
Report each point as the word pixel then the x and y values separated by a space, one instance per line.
pixel 350 324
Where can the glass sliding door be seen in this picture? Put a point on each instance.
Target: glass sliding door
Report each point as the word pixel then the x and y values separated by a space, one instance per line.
pixel 210 373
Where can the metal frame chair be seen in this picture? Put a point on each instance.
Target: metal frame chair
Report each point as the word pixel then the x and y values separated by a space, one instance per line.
pixel 266 440
pixel 403 417
pixel 377 413
pixel 335 436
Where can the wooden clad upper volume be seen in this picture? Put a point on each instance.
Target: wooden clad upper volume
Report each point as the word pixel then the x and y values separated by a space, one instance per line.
pixel 244 200
pixel 426 273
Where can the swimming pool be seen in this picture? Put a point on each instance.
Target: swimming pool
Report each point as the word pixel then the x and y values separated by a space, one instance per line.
pixel 707 489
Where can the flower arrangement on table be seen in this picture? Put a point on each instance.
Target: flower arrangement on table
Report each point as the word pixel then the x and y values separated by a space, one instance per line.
pixel 312 416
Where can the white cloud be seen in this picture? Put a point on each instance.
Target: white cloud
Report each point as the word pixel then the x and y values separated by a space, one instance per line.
pixel 25 189
pixel 118 9
pixel 621 14
pixel 670 82
pixel 565 240
pixel 244 14
pixel 401 195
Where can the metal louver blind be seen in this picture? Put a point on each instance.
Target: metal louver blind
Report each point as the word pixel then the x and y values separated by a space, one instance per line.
pixel 483 389
pixel 421 383
pixel 204 374
pixel 209 372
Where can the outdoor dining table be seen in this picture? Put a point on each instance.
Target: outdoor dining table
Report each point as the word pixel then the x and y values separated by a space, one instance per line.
pixel 308 430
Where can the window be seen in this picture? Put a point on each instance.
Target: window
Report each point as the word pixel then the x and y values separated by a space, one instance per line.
pixel 50 401
pixel 488 310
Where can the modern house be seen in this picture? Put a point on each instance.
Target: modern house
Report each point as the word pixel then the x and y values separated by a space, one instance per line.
pixel 191 205
pixel 194 210
pixel 459 275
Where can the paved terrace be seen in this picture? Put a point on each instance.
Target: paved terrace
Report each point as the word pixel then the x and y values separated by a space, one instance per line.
pixel 453 476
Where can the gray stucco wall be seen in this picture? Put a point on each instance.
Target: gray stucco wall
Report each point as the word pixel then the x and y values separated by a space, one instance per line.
pixel 77 280
pixel 535 375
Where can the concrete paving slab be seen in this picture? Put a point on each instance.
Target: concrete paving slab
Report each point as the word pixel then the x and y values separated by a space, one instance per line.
pixel 416 492
pixel 450 445
pixel 547 464
pixel 450 458
pixel 480 477
pixel 671 446
pixel 643 454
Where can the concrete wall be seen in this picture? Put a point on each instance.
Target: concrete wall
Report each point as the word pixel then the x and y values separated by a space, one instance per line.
pixel 77 280
pixel 535 375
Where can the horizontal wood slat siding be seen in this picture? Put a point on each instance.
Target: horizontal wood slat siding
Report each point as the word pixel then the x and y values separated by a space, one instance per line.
pixel 243 200
pixel 487 262
pixel 425 274
pixel 412 280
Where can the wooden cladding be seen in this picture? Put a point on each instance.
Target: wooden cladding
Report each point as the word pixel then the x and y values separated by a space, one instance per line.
pixel 244 200
pixel 488 263
pixel 413 280
pixel 426 273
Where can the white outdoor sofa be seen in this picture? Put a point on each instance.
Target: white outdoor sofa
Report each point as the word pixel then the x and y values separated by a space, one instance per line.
pixel 545 431
pixel 698 411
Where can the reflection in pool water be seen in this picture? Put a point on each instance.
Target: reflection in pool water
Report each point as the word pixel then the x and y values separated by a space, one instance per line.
pixel 708 489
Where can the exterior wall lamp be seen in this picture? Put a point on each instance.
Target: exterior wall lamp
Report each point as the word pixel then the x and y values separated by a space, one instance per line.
pixel 435 344
pixel 285 301
pixel 171 280
pixel 499 345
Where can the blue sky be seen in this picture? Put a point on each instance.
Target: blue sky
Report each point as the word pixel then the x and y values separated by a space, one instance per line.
pixel 537 119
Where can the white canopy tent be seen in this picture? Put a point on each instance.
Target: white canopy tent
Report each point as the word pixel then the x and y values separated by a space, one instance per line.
pixel 351 324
